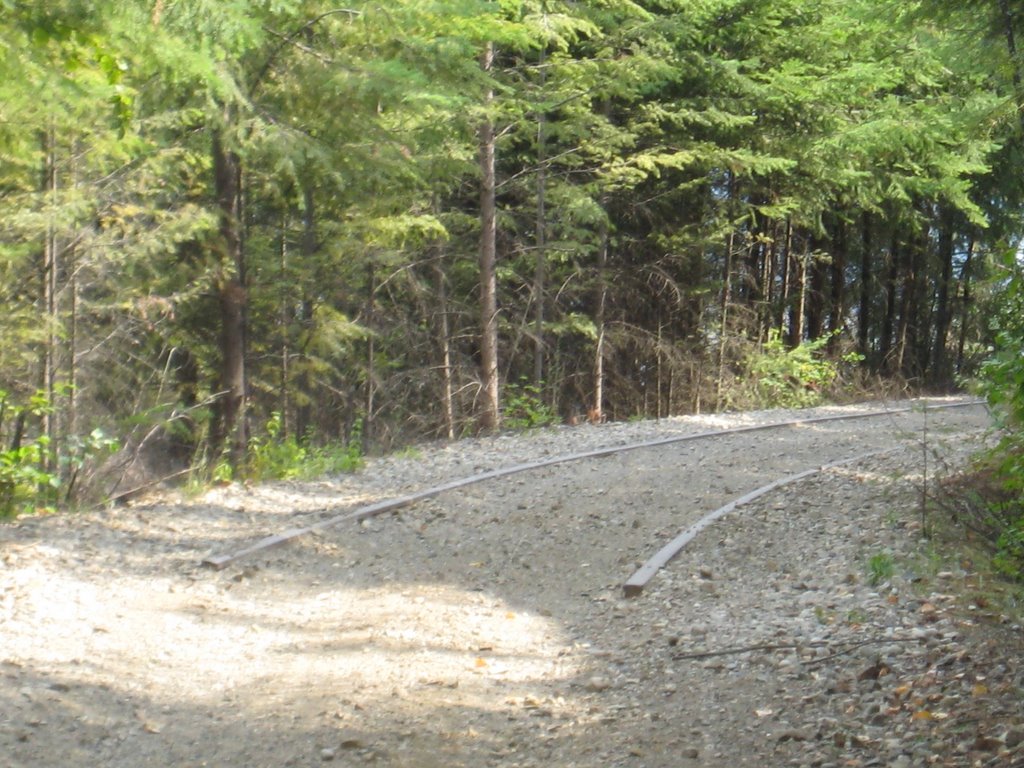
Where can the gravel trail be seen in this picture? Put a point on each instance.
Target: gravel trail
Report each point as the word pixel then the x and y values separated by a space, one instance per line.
pixel 487 626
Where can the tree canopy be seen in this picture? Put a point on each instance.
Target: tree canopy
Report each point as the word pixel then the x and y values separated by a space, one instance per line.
pixel 231 222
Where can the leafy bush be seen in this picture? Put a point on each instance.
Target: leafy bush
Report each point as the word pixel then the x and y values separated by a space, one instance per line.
pixel 792 378
pixel 273 457
pixel 1002 383
pixel 524 407
pixel 880 568
pixel 33 475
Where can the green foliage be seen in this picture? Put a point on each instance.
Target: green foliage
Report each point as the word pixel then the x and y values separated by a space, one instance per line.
pixel 1009 556
pixel 634 142
pixel 34 475
pixel 524 408
pixel 791 378
pixel 278 457
pixel 880 568
pixel 1002 383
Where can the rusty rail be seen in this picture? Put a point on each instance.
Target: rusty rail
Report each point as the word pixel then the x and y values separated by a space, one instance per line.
pixel 390 505
pixel 634 586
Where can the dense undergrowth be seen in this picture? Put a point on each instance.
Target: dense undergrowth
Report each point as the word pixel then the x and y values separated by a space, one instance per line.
pixel 989 502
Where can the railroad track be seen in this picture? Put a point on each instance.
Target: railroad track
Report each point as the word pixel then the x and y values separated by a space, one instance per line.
pixel 635 584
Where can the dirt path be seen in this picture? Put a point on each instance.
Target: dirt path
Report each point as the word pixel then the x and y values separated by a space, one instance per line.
pixel 488 627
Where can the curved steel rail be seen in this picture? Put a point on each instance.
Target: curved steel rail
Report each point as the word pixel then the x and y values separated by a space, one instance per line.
pixel 389 505
pixel 634 586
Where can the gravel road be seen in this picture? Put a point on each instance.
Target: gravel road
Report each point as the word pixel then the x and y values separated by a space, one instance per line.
pixel 488 627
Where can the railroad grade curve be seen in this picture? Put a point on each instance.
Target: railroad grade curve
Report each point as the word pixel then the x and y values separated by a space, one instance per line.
pixel 635 584
pixel 486 626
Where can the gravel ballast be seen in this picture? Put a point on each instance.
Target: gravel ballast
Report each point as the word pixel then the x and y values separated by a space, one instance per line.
pixel 487 626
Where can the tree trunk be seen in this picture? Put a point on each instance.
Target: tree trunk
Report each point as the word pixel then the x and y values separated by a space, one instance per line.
pixel 540 265
pixel 918 338
pixel 1011 49
pixel 943 317
pixel 815 311
pixel 889 320
pixel 768 272
pixel 231 431
pixel 864 315
pixel 837 310
pixel 50 270
pixel 490 417
pixel 444 339
pixel 723 331
pixel 283 304
pixel 786 258
pixel 965 307
pixel 309 246
pixel 597 412
pixel 371 356
pixel 797 311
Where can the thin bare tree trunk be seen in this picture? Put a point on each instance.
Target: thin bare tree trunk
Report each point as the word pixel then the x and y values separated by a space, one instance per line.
pixel 71 257
pixel 943 317
pixel 657 367
pixel 889 320
pixel 786 288
pixel 233 299
pixel 837 310
pixel 284 397
pixel 51 267
pixel 798 312
pixel 965 312
pixel 540 265
pixel 597 412
pixel 490 417
pixel 304 413
pixel 371 355
pixel 444 332
pixel 723 331
pixel 864 315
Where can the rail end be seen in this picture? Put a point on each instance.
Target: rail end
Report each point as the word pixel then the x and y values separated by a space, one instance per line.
pixel 217 562
pixel 632 590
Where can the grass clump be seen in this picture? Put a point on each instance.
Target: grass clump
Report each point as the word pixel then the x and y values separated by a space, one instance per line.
pixel 881 568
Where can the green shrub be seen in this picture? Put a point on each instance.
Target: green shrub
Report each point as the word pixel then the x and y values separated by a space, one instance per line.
pixel 33 475
pixel 791 378
pixel 1002 383
pixel 880 568
pixel 273 457
pixel 524 407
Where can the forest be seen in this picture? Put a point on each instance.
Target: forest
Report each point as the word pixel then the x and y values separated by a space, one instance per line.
pixel 241 238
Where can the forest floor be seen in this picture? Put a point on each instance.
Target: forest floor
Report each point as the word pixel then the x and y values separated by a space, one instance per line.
pixel 487 626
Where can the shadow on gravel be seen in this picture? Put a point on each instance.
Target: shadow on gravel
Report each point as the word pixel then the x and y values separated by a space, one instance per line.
pixel 463 632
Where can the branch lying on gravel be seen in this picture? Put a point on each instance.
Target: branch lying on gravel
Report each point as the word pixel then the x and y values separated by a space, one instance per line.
pixel 850 647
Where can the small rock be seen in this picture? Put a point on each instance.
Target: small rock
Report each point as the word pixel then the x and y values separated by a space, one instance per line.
pixel 792 736
pixel 987 744
pixel 597 684
pixel 327 755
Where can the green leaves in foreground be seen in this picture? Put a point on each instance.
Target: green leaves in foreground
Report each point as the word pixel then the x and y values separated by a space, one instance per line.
pixel 34 474
pixel 1002 383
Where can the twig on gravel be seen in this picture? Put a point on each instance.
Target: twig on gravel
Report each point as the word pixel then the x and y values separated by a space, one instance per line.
pixel 744 649
pixel 850 647
pixel 854 646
